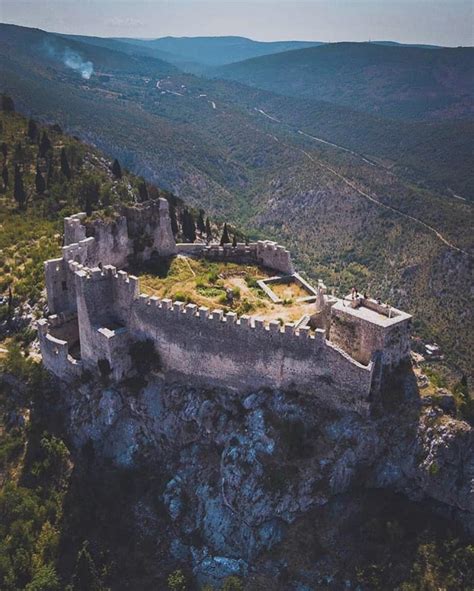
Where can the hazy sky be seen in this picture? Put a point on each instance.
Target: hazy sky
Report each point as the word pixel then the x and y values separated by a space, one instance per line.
pixel 444 22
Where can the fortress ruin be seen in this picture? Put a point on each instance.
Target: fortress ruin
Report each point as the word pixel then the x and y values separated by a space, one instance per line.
pixel 341 352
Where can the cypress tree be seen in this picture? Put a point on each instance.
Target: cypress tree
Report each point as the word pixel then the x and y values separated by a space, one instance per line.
pixel 174 221
pixel 85 577
pixel 200 222
pixel 4 149
pixel 117 169
pixel 189 227
pixel 32 130
pixel 39 181
pixel 44 145
pixel 234 241
pixel 65 168
pixel 208 230
pixel 50 173
pixel 5 177
pixel 19 154
pixel 225 236
pixel 142 192
pixel 19 190
pixel 7 104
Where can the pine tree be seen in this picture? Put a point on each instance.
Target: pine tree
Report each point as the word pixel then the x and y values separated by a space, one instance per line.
pixel 44 145
pixel 85 577
pixel 7 104
pixel 208 230
pixel 19 190
pixel 65 168
pixel 225 236
pixel 142 192
pixel 234 241
pixel 174 221
pixel 32 130
pixel 5 177
pixel 200 222
pixel 39 181
pixel 117 169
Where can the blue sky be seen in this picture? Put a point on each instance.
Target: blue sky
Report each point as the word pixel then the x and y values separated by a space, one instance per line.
pixel 443 22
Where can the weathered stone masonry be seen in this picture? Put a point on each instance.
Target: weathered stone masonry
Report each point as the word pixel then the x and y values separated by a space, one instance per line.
pixel 101 311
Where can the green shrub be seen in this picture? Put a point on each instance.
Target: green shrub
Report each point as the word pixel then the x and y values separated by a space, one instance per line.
pixel 177 581
pixel 233 584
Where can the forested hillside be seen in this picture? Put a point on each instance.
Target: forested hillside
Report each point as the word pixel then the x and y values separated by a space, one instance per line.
pixel 389 80
pixel 45 176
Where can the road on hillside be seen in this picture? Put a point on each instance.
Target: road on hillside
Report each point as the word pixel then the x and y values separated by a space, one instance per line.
pixel 353 186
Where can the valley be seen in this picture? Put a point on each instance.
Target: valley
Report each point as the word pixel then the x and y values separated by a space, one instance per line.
pixel 352 213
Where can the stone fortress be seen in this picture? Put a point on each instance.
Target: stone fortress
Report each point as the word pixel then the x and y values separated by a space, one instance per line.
pixel 341 353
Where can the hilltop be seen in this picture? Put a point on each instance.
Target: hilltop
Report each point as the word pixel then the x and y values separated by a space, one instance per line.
pixel 393 81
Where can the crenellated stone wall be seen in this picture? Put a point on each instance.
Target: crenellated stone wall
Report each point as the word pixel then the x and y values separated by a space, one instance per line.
pixel 264 253
pixel 341 363
pixel 210 347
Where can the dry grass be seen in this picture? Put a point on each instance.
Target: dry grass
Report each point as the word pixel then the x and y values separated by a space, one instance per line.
pixel 205 283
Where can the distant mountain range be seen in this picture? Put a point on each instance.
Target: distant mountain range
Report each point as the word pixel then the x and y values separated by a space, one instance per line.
pixel 217 51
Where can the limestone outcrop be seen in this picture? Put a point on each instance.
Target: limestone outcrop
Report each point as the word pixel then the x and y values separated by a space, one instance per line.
pixel 240 472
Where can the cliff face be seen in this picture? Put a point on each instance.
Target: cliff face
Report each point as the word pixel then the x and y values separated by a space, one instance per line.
pixel 238 473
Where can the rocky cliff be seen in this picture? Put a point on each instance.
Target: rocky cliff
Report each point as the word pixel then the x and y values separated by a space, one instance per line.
pixel 234 477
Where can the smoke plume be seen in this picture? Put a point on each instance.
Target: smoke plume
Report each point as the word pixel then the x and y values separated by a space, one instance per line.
pixel 70 59
pixel 73 60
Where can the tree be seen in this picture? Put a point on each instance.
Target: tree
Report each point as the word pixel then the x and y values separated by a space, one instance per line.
pixel 85 577
pixel 44 579
pixel 89 192
pixel 225 236
pixel 19 154
pixel 18 189
pixel 117 169
pixel 50 172
pixel 200 222
pixel 177 581
pixel 4 149
pixel 233 583
pixel 65 168
pixel 7 104
pixel 44 146
pixel 39 181
pixel 208 230
pixel 5 177
pixel 188 225
pixel 174 221
pixel 32 130
pixel 234 241
pixel 142 192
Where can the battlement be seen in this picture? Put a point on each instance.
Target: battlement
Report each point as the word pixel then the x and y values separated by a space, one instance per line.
pixel 98 310
pixel 264 252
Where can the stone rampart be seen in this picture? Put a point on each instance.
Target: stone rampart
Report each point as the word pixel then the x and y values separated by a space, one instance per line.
pixel 247 354
pixel 209 346
pixel 55 354
pixel 100 310
pixel 264 252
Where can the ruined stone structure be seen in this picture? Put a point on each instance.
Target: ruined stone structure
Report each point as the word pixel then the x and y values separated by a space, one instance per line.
pixel 97 312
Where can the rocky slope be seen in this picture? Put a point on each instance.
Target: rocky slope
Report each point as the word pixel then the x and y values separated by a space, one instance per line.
pixel 235 477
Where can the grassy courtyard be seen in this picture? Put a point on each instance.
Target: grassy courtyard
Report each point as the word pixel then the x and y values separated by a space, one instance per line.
pixel 208 284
